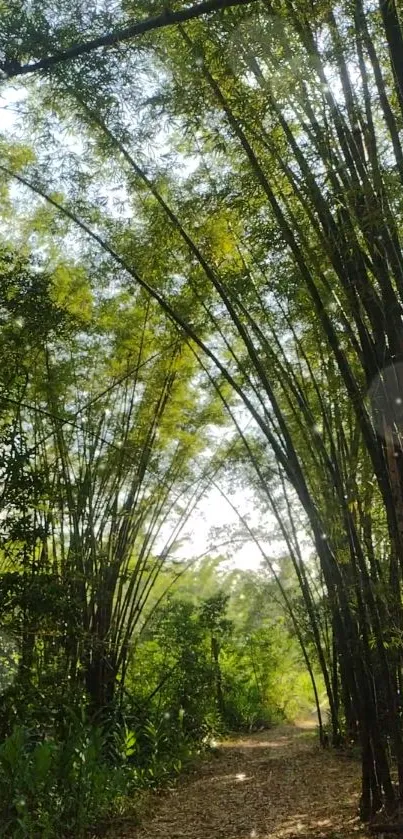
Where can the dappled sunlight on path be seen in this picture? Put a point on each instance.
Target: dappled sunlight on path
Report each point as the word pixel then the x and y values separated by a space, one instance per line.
pixel 276 783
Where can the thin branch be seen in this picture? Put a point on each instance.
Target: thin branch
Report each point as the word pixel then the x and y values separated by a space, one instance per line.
pixel 14 68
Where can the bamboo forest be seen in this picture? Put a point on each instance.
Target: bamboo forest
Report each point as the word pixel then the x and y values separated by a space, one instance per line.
pixel 201 419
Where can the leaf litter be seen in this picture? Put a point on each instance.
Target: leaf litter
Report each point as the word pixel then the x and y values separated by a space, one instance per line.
pixel 276 784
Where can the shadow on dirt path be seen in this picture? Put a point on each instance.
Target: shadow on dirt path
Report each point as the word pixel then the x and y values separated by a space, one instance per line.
pixel 277 783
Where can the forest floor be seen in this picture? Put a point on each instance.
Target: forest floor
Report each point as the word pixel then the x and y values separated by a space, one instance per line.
pixel 277 783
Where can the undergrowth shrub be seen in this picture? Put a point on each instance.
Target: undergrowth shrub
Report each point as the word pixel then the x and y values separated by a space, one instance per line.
pixel 56 788
pixel 191 679
pixel 164 744
pixel 245 709
pixel 64 784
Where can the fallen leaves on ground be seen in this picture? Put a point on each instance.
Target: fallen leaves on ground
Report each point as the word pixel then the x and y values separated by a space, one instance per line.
pixel 278 784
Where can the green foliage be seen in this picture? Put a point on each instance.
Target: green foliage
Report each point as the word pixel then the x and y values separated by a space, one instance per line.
pixel 231 195
pixel 221 673
pixel 176 658
pixel 51 787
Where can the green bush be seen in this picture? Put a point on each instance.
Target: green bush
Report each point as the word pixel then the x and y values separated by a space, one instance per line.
pixel 54 788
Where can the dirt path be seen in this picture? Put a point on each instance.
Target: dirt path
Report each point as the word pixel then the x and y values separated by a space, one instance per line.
pixel 276 784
